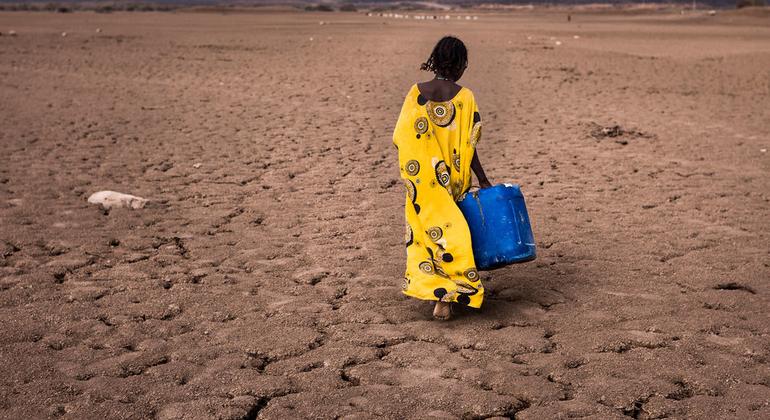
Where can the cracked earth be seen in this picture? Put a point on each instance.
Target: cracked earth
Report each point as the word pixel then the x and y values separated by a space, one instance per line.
pixel 262 279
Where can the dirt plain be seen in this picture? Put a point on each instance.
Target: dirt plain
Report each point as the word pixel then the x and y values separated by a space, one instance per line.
pixel 262 280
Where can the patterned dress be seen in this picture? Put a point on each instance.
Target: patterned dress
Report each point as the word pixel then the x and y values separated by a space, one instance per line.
pixel 436 142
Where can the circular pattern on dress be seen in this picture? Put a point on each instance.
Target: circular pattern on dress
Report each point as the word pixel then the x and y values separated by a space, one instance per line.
pixel 456 162
pixel 439 293
pixel 421 125
pixel 463 299
pixel 411 191
pixel 441 113
pixel 412 167
pixel 421 100
pixel 442 173
pixel 435 233
pixel 426 267
pixel 447 257
pixel 476 117
pixel 475 134
pixel 471 274
pixel 405 284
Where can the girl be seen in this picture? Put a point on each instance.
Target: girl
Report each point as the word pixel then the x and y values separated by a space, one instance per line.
pixel 436 137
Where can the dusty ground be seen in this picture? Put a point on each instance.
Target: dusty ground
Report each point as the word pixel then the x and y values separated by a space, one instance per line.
pixel 265 281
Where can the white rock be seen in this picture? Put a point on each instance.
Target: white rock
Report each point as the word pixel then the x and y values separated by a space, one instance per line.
pixel 63 34
pixel 109 199
pixel 12 32
pixel 197 165
pixel 98 30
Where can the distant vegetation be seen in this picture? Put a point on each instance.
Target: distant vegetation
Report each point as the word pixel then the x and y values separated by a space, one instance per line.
pixel 749 3
pixel 319 8
pixel 327 8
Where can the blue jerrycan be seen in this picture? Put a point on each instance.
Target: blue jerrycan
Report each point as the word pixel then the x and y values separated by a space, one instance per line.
pixel 500 230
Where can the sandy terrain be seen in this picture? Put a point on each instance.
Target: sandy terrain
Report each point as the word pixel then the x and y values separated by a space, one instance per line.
pixel 263 277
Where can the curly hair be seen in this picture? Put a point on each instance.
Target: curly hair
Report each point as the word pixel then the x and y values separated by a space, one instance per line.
pixel 448 59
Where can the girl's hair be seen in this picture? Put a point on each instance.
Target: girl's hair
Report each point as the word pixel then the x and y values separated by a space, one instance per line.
pixel 448 59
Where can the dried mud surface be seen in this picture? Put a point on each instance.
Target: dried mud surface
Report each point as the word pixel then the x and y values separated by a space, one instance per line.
pixel 262 279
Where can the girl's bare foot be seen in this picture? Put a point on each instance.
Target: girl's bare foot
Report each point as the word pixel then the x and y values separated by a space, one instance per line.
pixel 442 311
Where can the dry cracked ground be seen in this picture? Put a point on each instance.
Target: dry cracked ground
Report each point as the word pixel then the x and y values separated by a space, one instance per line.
pixel 262 279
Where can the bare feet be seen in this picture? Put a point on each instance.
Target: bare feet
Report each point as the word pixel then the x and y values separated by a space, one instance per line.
pixel 442 311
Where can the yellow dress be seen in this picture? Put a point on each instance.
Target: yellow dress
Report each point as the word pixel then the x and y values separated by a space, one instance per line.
pixel 436 142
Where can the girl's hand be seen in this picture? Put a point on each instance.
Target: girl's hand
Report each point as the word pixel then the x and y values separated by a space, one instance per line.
pixel 479 171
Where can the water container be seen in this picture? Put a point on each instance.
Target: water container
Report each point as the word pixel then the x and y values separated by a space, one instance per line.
pixel 500 230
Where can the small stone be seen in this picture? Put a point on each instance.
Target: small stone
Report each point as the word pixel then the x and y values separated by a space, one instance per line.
pixel 481 346
pixel 574 363
pixel 56 248
pixel 59 275
pixel 222 317
pixel 109 199
pixel 311 277
pixel 57 411
pixel 197 275
pixel 172 311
